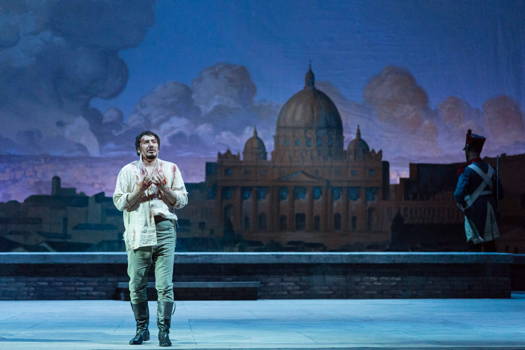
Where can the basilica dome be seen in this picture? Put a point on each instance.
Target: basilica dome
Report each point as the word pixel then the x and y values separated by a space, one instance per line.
pixel 309 127
pixel 254 148
pixel 310 108
pixel 358 148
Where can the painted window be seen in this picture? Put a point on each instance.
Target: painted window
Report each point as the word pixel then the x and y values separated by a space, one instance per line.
pixel 227 193
pixel 283 193
pixel 299 192
pixel 371 193
pixel 353 193
pixel 317 192
pixel 261 192
pixel 336 193
pixel 246 193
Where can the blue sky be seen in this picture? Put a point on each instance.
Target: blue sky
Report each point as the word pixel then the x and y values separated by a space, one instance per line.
pixel 469 49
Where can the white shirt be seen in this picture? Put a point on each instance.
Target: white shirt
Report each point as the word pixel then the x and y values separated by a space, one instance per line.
pixel 139 220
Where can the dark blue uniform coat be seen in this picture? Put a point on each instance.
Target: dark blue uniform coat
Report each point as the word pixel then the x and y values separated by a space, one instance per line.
pixel 476 197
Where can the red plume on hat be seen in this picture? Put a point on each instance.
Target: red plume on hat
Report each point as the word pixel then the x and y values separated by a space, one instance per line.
pixel 474 142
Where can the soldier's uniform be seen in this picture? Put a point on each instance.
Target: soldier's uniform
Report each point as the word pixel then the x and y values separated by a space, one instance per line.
pixel 475 194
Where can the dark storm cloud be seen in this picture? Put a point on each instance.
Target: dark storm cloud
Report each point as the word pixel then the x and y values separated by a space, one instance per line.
pixel 55 56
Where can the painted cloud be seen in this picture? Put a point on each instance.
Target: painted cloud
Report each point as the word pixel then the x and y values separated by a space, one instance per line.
pixel 55 56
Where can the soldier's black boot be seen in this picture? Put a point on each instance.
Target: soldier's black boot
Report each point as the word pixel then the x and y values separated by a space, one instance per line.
pixel 141 313
pixel 164 311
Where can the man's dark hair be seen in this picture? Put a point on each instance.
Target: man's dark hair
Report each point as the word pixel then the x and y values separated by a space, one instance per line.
pixel 147 132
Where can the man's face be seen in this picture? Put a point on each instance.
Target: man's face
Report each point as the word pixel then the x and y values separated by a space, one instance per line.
pixel 149 148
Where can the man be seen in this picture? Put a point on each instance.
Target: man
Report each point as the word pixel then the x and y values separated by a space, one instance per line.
pixel 476 194
pixel 147 191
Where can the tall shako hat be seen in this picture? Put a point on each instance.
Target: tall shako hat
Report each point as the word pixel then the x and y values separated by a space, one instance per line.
pixel 474 142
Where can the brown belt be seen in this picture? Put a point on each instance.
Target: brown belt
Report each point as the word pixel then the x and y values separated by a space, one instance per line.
pixel 159 218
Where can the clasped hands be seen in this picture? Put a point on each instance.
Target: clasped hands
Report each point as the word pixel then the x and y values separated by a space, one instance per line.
pixel 157 179
pixel 140 194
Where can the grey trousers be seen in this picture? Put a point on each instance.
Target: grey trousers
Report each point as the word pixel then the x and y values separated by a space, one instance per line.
pixel 161 258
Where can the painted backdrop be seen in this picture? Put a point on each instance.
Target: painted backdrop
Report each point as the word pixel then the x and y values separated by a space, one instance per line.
pixel 79 79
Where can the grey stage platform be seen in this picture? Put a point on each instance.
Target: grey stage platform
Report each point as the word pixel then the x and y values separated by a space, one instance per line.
pixel 273 324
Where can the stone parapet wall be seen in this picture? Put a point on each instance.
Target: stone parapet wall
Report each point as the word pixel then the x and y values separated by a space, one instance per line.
pixel 281 275
pixel 518 272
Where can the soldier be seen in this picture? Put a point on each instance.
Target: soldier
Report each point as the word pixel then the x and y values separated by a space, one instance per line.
pixel 476 194
pixel 147 191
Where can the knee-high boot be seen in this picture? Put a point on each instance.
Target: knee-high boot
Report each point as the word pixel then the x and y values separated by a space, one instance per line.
pixel 141 313
pixel 164 311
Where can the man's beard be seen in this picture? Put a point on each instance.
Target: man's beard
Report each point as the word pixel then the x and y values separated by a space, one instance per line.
pixel 151 156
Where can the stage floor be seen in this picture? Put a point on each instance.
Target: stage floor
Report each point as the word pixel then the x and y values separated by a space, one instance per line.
pixel 273 324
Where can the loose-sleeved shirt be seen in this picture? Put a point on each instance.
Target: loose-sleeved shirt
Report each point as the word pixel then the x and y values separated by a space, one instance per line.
pixel 139 219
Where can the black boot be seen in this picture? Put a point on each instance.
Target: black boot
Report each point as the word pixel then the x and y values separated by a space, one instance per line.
pixel 141 313
pixel 164 311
